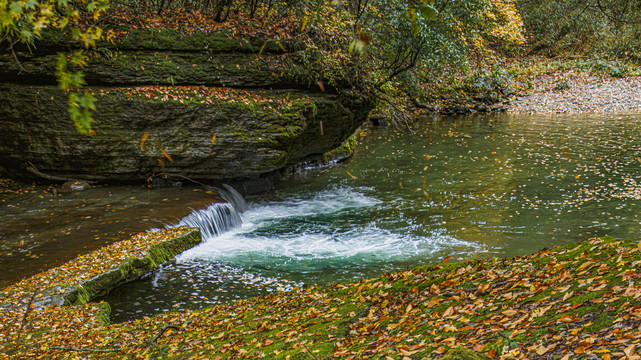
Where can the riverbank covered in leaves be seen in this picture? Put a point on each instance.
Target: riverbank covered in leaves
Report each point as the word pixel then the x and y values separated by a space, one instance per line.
pixel 579 92
pixel 577 301
pixel 57 300
pixel 534 85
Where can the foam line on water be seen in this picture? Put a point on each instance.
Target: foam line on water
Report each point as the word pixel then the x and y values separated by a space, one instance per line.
pixel 326 201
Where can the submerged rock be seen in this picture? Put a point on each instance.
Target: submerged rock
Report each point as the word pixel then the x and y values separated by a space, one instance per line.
pixel 75 185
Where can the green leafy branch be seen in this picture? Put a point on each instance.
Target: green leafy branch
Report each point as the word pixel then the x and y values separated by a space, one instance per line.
pixel 23 21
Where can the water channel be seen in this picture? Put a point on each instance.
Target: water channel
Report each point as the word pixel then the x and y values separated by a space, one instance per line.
pixel 472 187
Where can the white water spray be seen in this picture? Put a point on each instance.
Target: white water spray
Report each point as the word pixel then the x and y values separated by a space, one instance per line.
pixel 217 218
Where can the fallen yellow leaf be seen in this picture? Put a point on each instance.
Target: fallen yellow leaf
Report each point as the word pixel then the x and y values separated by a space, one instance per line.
pixel 630 350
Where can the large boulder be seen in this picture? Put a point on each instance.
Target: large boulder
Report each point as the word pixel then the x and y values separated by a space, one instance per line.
pixel 241 136
pixel 206 106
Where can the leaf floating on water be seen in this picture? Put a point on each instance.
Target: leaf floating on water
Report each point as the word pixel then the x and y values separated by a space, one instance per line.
pixel 166 155
pixel 446 259
pixel 145 135
pixel 352 176
pixel 213 139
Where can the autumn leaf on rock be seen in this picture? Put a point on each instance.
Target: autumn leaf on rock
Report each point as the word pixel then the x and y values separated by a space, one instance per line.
pixel 167 155
pixel 143 139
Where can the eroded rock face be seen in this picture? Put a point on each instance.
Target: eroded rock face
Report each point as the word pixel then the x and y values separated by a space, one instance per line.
pixel 221 112
pixel 250 139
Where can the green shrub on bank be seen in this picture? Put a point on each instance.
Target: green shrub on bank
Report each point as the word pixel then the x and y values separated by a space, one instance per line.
pixel 593 27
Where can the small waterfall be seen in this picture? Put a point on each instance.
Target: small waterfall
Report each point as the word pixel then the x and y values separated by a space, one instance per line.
pixel 233 197
pixel 217 218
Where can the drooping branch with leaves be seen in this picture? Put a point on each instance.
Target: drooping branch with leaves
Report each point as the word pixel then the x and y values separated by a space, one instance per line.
pixel 22 23
pixel 370 45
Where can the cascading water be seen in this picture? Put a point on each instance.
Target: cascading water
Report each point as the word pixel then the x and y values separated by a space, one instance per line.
pixel 320 237
pixel 233 197
pixel 316 237
pixel 217 218
pixel 470 188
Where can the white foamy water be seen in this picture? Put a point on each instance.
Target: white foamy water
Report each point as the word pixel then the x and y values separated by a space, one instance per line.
pixel 318 232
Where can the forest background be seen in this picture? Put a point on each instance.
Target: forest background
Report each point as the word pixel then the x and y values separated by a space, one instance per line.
pixel 411 55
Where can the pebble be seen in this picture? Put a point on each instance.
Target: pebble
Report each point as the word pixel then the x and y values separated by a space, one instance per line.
pixel 575 92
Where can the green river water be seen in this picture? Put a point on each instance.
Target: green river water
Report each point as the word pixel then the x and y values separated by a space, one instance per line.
pixel 471 187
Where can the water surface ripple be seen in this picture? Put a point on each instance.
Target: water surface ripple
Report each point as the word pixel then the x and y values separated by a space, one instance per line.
pixel 471 187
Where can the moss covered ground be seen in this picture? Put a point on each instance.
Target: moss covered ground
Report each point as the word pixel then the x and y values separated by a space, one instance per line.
pixel 575 302
pixel 56 300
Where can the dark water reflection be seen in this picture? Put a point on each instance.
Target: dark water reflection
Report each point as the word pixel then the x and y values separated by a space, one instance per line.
pixel 40 229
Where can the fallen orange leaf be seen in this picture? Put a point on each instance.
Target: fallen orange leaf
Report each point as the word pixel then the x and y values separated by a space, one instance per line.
pixel 143 139
pixel 166 155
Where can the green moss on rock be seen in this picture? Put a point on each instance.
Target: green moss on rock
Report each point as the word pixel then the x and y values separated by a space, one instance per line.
pixel 130 269
pixel 342 152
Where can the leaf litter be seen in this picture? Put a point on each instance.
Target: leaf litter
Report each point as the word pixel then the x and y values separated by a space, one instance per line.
pixel 577 301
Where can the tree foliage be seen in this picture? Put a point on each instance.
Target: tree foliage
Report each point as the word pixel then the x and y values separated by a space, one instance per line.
pixel 378 46
pixel 608 27
pixel 22 22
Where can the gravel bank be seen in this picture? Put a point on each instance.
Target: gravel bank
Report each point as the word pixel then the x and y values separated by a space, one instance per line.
pixel 572 92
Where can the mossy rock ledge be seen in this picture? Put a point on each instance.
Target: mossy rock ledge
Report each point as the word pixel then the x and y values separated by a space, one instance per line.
pixel 72 286
pixel 132 268
pixel 210 108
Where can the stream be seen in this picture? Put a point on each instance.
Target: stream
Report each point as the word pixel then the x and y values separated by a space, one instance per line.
pixel 471 187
